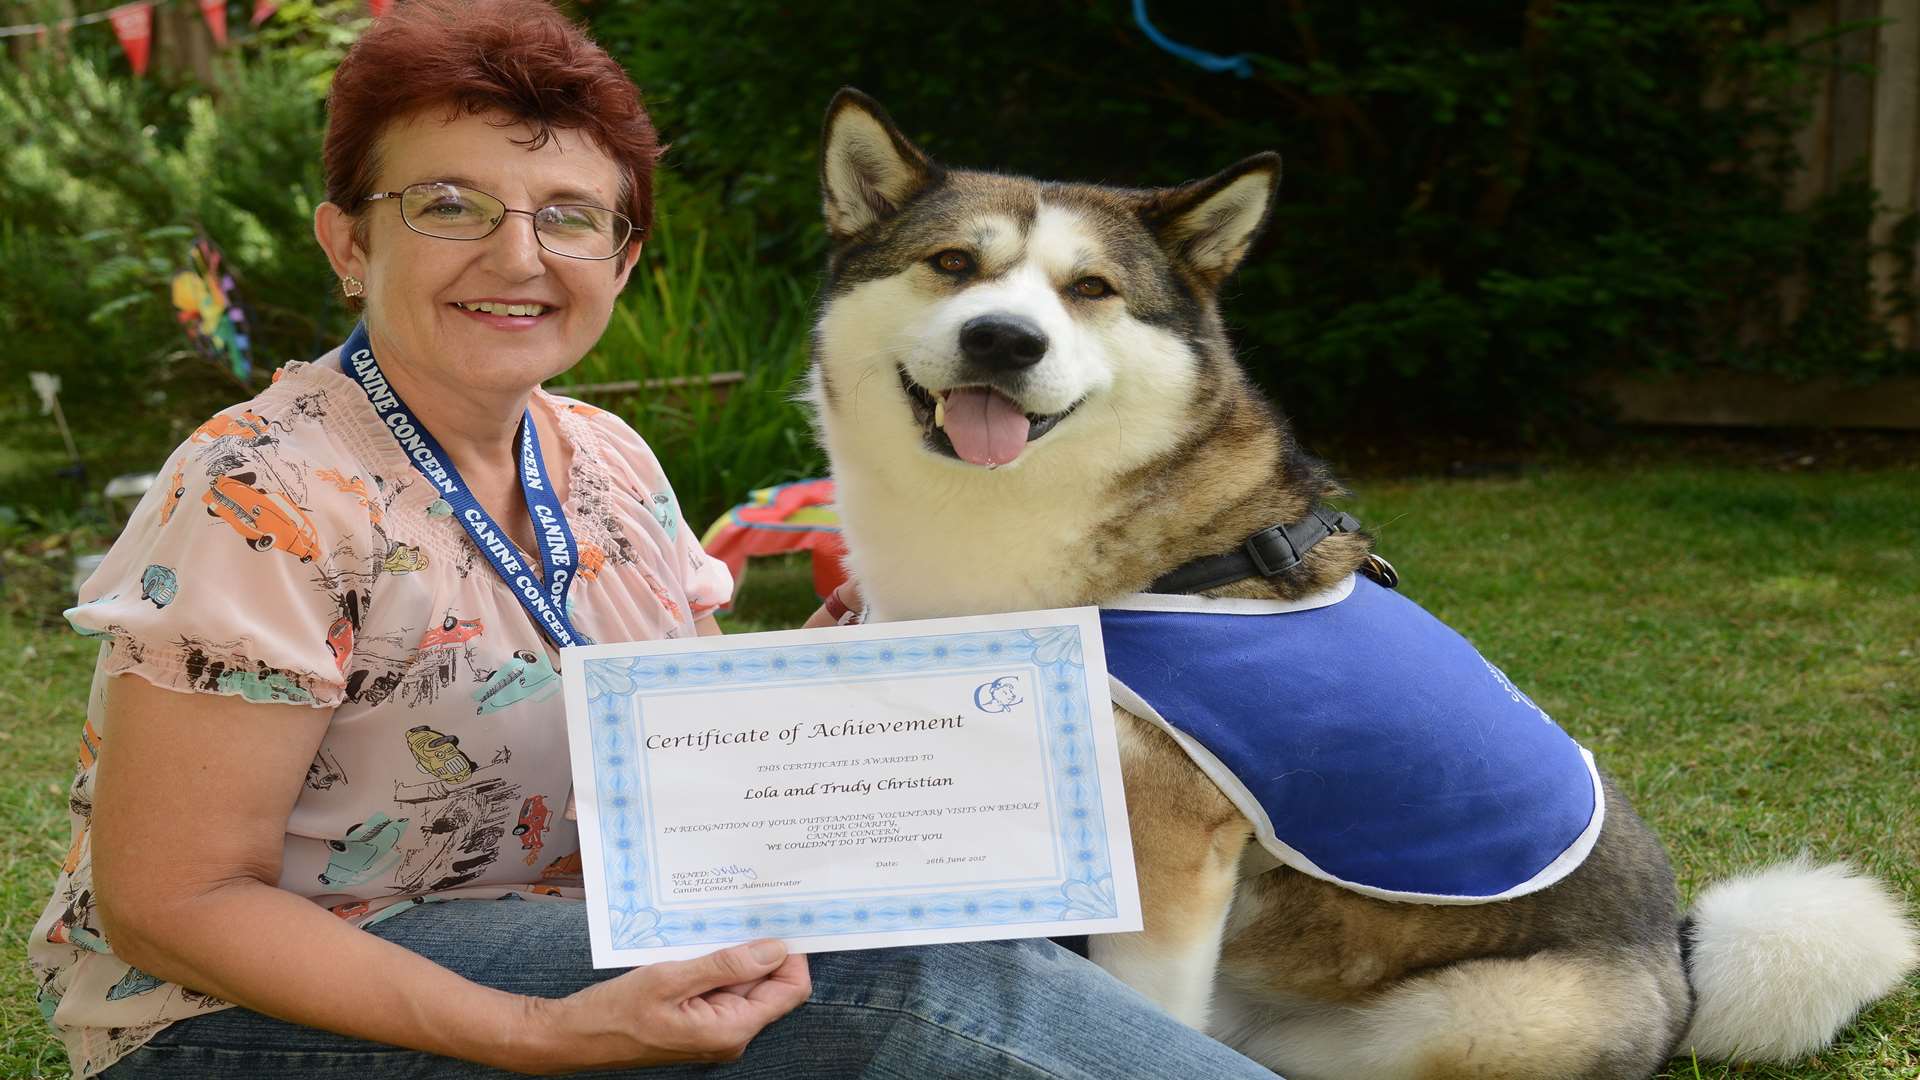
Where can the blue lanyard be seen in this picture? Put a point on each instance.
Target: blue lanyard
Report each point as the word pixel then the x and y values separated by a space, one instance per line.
pixel 545 600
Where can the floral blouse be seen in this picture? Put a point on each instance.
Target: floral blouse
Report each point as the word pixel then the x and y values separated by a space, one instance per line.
pixel 292 555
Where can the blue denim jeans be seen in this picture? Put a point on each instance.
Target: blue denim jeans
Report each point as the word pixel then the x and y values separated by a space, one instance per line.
pixel 1001 1009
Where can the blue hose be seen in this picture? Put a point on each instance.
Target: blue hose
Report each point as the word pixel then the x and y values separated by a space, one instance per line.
pixel 1240 65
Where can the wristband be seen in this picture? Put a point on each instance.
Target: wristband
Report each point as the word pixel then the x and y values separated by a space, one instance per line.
pixel 838 611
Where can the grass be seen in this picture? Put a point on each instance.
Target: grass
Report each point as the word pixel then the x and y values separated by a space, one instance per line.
pixel 1741 649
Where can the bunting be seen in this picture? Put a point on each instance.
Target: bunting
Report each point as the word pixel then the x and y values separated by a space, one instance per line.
pixel 215 12
pixel 133 25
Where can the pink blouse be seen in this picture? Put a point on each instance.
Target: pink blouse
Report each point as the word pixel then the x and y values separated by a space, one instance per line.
pixel 294 556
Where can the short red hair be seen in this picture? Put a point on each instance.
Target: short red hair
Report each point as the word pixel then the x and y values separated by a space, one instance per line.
pixel 519 57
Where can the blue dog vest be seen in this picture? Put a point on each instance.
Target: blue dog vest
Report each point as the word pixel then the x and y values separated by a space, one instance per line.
pixel 1368 743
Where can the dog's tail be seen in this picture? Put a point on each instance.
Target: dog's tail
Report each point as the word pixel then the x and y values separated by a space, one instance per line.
pixel 1781 959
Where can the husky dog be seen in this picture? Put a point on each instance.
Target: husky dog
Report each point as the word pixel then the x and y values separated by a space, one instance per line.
pixel 1030 402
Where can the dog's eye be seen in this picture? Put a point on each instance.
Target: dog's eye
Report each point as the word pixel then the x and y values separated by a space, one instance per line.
pixel 953 261
pixel 1091 288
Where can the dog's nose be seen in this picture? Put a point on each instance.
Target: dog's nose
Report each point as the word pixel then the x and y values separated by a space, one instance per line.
pixel 1003 342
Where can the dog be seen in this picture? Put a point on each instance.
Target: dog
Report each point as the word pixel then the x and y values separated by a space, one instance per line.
pixel 1029 401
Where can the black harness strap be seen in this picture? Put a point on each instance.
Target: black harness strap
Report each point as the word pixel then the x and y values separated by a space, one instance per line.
pixel 1268 553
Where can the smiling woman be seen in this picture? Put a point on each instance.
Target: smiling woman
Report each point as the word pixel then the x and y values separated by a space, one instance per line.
pixel 328 703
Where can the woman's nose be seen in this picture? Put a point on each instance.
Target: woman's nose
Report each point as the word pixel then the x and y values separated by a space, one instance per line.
pixel 513 247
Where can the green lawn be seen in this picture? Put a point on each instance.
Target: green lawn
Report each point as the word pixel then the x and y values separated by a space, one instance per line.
pixel 1740 648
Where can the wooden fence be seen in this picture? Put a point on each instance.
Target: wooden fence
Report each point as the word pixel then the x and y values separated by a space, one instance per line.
pixel 1865 122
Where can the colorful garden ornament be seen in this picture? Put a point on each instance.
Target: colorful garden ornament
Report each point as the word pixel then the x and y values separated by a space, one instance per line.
pixel 210 311
pixel 799 516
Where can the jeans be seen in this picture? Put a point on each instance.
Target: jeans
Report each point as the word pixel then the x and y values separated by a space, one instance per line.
pixel 977 1011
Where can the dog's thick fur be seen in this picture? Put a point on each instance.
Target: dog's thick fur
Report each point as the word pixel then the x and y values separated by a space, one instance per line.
pixel 1155 449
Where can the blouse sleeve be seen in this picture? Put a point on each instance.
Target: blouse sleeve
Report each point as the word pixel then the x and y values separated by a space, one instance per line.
pixel 243 572
pixel 705 579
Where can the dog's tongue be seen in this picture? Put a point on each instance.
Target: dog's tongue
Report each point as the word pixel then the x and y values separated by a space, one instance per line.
pixel 985 428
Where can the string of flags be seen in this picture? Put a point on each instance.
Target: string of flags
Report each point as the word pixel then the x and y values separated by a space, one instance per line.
pixel 133 24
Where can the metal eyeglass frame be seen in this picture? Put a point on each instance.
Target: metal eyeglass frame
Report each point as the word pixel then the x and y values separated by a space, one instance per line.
pixel 618 249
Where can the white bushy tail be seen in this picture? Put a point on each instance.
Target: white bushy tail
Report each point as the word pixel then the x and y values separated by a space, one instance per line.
pixel 1783 958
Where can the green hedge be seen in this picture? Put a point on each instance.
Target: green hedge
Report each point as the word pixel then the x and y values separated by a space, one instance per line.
pixel 1484 201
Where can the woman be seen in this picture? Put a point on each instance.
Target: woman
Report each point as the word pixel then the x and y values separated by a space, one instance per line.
pixel 327 698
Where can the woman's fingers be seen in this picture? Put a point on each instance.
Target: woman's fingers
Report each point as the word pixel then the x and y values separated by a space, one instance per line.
pixel 742 964
pixel 787 988
pixel 706 1009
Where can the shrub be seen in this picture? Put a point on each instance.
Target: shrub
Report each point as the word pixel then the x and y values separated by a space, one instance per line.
pixel 699 305
pixel 104 184
pixel 1484 202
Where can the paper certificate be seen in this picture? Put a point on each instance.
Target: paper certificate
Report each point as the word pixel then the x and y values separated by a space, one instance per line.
pixel 849 787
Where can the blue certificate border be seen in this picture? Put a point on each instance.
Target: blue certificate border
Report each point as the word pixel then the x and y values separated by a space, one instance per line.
pixel 614 683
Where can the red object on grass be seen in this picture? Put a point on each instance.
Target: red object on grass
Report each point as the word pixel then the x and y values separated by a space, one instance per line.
pixel 781 520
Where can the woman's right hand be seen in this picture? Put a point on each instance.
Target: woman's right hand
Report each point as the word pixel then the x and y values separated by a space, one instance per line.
pixel 680 1011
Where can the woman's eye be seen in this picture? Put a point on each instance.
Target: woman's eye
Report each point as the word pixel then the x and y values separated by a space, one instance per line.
pixel 1091 288
pixel 953 261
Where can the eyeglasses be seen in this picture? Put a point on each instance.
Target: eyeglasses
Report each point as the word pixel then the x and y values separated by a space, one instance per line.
pixel 452 212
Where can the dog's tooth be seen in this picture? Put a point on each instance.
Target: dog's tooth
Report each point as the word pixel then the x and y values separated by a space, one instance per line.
pixel 940 411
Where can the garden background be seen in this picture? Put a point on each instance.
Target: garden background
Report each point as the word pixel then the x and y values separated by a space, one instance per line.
pixel 1496 217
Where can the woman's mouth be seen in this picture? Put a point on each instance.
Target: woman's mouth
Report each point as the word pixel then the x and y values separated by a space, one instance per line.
pixel 505 314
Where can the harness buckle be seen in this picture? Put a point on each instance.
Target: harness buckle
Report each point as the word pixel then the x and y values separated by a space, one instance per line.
pixel 1272 551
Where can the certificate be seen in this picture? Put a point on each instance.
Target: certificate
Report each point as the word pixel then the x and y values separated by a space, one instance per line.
pixel 849 787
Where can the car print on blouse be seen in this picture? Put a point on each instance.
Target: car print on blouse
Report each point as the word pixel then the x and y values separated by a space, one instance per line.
pixel 74 926
pixel 176 487
pixel 666 513
pixel 354 486
pixel 591 560
pixel 460 830
pixel 134 983
pixel 366 852
pixel 532 829
pixel 450 632
pixel 438 755
pixel 264 687
pixel 159 584
pixel 526 676
pixel 340 642
pixel 266 520
pixel 324 771
pixel 566 866
pixel 404 559
pixel 249 428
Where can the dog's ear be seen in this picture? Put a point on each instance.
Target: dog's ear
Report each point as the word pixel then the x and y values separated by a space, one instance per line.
pixel 1209 225
pixel 868 170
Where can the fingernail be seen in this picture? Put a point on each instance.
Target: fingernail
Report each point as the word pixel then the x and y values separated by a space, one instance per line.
pixel 766 952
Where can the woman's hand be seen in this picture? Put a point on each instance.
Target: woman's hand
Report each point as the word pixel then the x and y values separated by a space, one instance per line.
pixel 842 607
pixel 686 1011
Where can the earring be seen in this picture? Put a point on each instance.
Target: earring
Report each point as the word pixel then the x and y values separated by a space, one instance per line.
pixel 351 286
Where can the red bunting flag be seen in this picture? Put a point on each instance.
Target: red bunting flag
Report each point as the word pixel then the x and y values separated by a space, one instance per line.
pixel 133 25
pixel 215 12
pixel 379 7
pixel 262 10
